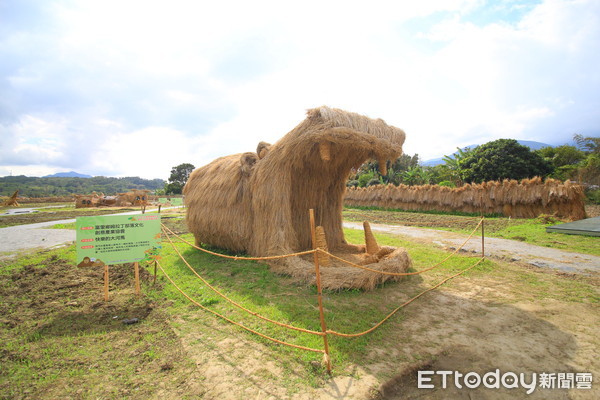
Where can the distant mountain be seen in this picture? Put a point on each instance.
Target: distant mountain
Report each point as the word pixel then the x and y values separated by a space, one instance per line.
pixel 440 160
pixel 70 174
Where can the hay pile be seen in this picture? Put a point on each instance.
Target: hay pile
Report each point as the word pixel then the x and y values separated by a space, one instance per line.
pixel 526 199
pixel 258 202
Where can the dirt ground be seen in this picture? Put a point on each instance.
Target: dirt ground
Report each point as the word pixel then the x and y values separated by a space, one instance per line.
pixel 66 329
pixel 472 324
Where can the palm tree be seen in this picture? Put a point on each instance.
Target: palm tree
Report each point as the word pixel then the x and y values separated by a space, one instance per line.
pixel 453 164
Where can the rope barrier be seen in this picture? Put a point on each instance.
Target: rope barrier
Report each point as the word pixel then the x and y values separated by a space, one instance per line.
pixel 324 334
pixel 404 273
pixel 327 253
pixel 233 322
pixel 404 304
pixel 301 253
pixel 233 302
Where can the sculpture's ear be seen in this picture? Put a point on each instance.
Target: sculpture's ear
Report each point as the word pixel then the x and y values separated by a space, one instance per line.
pixel 262 149
pixel 247 161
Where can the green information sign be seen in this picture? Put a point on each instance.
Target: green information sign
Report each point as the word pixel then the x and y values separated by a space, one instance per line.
pixel 118 239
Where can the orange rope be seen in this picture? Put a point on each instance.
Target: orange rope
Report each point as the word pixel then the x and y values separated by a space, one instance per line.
pixel 404 304
pixel 233 322
pixel 404 273
pixel 237 257
pixel 233 302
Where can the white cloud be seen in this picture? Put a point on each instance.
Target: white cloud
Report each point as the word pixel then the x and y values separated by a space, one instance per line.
pixel 86 83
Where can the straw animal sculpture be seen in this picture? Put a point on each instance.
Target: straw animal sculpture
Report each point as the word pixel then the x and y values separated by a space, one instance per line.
pixel 258 202
pixel 137 197
pixel 12 200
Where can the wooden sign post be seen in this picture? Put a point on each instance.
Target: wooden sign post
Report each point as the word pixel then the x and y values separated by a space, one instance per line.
pixel 105 282
pixel 136 268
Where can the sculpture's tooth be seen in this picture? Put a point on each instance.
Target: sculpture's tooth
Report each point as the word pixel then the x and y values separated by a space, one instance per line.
pixel 372 246
pixel 383 167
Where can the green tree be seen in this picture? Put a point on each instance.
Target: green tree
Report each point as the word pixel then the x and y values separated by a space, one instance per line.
pixel 178 178
pixel 503 159
pixel 395 170
pixel 588 172
pixel 588 144
pixel 416 176
pixel 452 169
pixel 565 160
pixel 365 178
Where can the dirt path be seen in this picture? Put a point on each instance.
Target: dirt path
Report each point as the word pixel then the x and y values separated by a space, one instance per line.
pixel 509 250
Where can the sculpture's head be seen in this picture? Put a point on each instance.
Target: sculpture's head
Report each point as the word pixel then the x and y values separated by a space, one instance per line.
pixel 308 168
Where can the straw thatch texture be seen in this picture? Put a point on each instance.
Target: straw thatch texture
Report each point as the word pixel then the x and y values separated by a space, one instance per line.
pixel 526 199
pixel 259 204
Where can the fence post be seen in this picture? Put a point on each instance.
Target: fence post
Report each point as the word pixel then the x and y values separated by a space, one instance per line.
pixel 105 282
pixel 319 291
pixel 482 229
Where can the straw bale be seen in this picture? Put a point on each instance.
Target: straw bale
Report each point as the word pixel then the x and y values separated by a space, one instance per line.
pixel 341 276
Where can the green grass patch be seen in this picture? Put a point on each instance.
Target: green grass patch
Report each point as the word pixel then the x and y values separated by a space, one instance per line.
pixel 429 212
pixel 64 226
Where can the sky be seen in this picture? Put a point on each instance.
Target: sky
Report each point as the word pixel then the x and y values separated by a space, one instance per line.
pixel 134 88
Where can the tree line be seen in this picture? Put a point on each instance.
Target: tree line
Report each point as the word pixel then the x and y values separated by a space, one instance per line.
pixel 48 187
pixel 494 161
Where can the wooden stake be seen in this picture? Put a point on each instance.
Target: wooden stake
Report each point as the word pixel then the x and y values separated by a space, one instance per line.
pixel 136 268
pixel 319 291
pixel 482 229
pixel 154 282
pixel 482 237
pixel 159 208
pixel 105 282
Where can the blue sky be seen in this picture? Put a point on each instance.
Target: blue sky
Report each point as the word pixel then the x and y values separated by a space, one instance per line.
pixel 133 88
